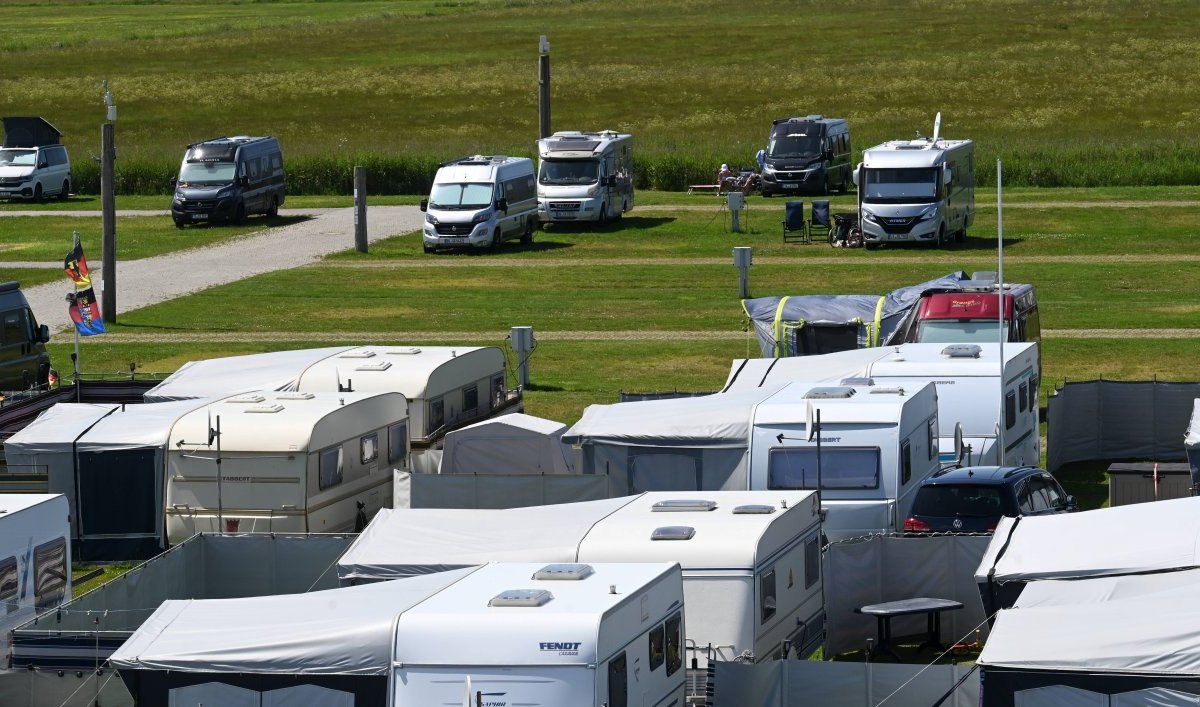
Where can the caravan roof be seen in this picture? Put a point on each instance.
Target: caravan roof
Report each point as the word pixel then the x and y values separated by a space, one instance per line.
pixel 407 369
pixel 13 503
pixel 910 153
pixel 229 375
pixel 838 404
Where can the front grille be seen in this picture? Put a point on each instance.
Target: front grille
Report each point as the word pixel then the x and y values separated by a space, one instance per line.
pixel 454 229
pixel 197 207
pixel 564 205
pixel 11 182
pixel 897 225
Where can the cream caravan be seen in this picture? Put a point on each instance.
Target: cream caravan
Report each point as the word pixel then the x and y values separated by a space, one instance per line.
pixel 35 557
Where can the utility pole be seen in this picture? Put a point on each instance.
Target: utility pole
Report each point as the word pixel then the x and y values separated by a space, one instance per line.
pixel 543 87
pixel 108 206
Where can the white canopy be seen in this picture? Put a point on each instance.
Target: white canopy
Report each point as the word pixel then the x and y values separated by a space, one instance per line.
pixel 1136 624
pixel 1192 437
pixel 1141 537
pixel 345 631
pixel 231 375
pixel 509 444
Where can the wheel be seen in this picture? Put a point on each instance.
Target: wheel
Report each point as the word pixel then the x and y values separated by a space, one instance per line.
pixel 870 246
pixel 530 226
pixel 427 248
pixel 239 214
pixel 961 236
pixel 602 221
pixel 178 223
pixel 497 239
pixel 273 211
pixel 941 237
pixel 833 238
pixel 37 192
pixel 65 191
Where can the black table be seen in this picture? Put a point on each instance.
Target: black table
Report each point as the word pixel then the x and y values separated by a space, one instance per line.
pixel 883 613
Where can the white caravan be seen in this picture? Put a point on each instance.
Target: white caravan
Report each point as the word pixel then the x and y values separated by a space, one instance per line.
pixel 871 450
pixel 970 390
pixel 288 462
pixel 548 635
pixel 35 557
pixel 751 559
pixel 919 190
pixel 480 202
pixel 584 176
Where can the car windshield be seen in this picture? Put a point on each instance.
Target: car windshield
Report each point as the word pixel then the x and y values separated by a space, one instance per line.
pixel 24 158
pixel 563 172
pixel 461 195
pixel 958 331
pixel 901 186
pixel 207 173
pixel 965 501
pixel 794 146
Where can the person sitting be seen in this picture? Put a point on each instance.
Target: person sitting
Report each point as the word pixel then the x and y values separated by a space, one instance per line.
pixel 724 177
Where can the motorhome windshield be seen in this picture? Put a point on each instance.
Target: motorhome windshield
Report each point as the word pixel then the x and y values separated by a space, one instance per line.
pixel 461 195
pixel 915 185
pixel 958 331
pixel 568 172
pixel 18 157
pixel 207 172
pixel 795 468
pixel 793 146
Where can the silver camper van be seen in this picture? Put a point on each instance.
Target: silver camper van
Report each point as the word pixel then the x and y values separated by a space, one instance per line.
pixel 227 178
pixel 480 202
pixel 585 176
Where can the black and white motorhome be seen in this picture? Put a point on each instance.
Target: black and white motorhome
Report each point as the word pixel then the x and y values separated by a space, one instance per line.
pixel 807 154
pixel 585 176
pixel 917 191
pixel 227 178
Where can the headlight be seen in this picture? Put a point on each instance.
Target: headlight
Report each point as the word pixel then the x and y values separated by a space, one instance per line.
pixel 481 217
pixel 932 213
pixel 868 216
pixel 178 196
pixel 430 218
pixel 227 191
pixel 769 169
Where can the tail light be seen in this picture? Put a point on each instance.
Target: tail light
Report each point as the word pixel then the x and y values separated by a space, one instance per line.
pixel 912 525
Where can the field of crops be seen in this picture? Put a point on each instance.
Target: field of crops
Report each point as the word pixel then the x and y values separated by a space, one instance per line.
pixel 1067 92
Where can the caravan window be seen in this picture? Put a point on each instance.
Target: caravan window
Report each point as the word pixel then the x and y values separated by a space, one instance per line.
pixel 1024 391
pixel 397 442
pixel 50 578
pixel 657 646
pixel 618 682
pixel 812 562
pixel 905 463
pixel 1010 410
pixel 330 473
pixel 674 643
pixel 368 448
pixel 766 596
pixel 795 468
pixel 437 416
pixel 470 398
pixel 933 439
pixel 8 585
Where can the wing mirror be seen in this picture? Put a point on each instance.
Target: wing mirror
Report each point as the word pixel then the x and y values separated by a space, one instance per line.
pixel 854 174
pixel 43 164
pixel 44 334
pixel 244 181
pixel 502 204
pixel 610 181
pixel 947 174
pixel 1071 503
pixel 424 204
pixel 174 182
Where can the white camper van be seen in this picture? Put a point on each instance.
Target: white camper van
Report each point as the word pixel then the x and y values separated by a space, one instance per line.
pixel 287 462
pixel 917 191
pixel 585 176
pixel 549 635
pixel 480 202
pixel 35 557
pixel 971 391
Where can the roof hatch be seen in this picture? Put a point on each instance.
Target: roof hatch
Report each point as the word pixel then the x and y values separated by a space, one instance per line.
pixel 252 399
pixel 962 351
pixel 295 396
pixel 754 509
pixel 888 391
pixel 673 532
pixel 855 381
pixel 406 351
pixel 831 392
pixel 358 354
pixel 377 366
pixel 565 571
pixel 522 597
pixel 680 505
pixel 267 409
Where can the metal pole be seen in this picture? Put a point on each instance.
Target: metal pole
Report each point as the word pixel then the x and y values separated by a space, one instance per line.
pixel 360 209
pixel 108 206
pixel 220 511
pixel 1000 295
pixel 543 87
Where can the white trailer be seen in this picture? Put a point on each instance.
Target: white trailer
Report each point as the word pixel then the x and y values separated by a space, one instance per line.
pixel 35 557
pixel 533 634
pixel 919 190
pixel 287 462
pixel 974 398
pixel 584 176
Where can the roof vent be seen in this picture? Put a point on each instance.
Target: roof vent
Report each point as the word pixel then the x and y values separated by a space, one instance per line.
pixel 831 392
pixel 377 366
pixel 962 351
pixel 295 396
pixel 358 354
pixel 989 276
pixel 268 409
pixel 522 597
pixel 405 351
pixel 252 399
pixel 856 382
pixel 888 391
pixel 681 505
pixel 565 571
pixel 673 532
pixel 754 509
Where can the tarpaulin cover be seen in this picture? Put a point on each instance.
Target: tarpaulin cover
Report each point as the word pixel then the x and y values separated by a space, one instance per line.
pixel 222 377
pixel 431 490
pixel 800 683
pixel 509 444
pixel 877 317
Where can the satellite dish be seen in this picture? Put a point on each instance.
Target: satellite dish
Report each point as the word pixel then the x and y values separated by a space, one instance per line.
pixel 937 126
pixel 958 442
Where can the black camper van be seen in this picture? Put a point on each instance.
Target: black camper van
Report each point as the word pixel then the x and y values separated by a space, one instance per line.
pixel 808 154
pixel 227 178
pixel 24 363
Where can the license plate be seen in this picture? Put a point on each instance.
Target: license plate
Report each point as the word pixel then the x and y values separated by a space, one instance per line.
pixel 199 217
pixel 896 236
pixel 455 240
pixel 790 185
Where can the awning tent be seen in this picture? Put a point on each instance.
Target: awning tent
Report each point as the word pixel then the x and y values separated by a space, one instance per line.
pixel 509 444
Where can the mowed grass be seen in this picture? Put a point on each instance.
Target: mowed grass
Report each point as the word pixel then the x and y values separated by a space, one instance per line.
pixel 1068 93
pixel 31 277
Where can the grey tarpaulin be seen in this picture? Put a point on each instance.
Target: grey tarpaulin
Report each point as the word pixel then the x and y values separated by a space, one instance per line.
pixel 508 444
pixel 799 683
pixel 860 320
pixel 1118 420
pixel 53 688
pixel 498 491
pixel 888 568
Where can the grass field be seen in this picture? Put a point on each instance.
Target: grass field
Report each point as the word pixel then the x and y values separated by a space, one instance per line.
pixel 1068 93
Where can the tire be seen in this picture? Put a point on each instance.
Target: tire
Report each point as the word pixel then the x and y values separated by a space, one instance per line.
pixel 961 236
pixel 273 211
pixel 65 191
pixel 870 246
pixel 602 221
pixel 37 192
pixel 530 227
pixel 497 240
pixel 428 248
pixel 239 214
pixel 178 223
pixel 940 241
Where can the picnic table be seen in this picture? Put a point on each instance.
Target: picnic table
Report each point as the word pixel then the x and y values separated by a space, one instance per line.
pixel 883 613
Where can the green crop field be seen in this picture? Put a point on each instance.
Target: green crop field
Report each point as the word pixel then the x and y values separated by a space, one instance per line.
pixel 1068 92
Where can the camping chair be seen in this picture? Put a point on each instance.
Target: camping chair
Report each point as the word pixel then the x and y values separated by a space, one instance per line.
pixel 795 228
pixel 820 227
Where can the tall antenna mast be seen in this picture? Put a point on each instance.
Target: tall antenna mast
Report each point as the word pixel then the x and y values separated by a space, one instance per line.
pixel 1003 334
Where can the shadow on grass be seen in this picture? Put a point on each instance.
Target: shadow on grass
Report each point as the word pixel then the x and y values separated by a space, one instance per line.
pixel 971 244
pixel 268 221
pixel 628 223
pixel 505 250
pixel 1087 481
pixel 544 388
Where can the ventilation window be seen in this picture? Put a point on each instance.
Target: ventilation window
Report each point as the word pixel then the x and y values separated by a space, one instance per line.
pixel 567 571
pixel 837 391
pixel 265 409
pixel 858 382
pixel 246 399
pixel 754 509
pixel 521 597
pixel 358 354
pixel 295 396
pixel 683 505
pixel 407 351
pixel 888 391
pixel 962 351
pixel 673 532
pixel 378 366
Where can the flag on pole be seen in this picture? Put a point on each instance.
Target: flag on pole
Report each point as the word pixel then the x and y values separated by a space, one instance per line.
pixel 83 307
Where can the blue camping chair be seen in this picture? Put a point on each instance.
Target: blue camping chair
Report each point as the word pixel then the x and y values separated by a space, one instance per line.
pixel 821 227
pixel 795 228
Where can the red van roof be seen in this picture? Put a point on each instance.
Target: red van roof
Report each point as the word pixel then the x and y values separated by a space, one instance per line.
pixel 963 305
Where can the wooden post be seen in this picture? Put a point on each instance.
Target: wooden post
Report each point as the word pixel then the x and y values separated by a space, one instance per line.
pixel 108 206
pixel 360 209
pixel 543 87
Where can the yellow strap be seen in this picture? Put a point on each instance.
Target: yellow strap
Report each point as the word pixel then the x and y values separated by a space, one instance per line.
pixel 778 328
pixel 878 316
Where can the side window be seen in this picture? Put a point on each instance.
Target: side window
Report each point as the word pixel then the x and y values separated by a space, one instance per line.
pixel 397 442
pixel 437 416
pixel 905 463
pixel 368 447
pixel 276 162
pixel 674 643
pixel 470 398
pixel 658 646
pixel 766 596
pixel 1010 410
pixel 330 468
pixel 618 685
pixel 812 562
pixel 1024 499
pixel 497 390
pixel 1037 493
pixel 933 439
pixel 1024 393
pixel 9 597
pixel 1054 494
pixel 50 578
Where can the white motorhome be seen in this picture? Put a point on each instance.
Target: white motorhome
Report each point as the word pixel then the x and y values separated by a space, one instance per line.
pixel 35 557
pixel 532 634
pixel 751 559
pixel 917 191
pixel 480 202
pixel 585 176
pixel 971 391
pixel 866 448
pixel 287 462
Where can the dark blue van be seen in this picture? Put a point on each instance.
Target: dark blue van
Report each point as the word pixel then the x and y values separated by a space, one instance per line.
pixel 228 178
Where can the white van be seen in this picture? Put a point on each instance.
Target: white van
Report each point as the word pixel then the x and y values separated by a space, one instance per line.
pixel 480 202
pixel 33 162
